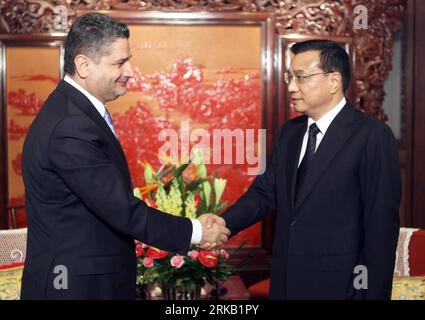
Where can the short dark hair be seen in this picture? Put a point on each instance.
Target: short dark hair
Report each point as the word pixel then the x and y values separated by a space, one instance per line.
pixel 332 57
pixel 90 35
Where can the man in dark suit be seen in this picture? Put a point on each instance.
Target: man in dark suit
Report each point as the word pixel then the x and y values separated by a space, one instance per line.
pixel 81 211
pixel 334 179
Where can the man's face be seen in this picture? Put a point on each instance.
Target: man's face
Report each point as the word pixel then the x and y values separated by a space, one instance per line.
pixel 108 77
pixel 311 95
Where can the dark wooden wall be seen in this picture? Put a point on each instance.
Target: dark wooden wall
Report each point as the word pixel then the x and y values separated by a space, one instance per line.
pixel 415 114
pixel 373 48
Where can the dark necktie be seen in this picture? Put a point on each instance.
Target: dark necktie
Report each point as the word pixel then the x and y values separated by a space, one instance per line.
pixel 313 130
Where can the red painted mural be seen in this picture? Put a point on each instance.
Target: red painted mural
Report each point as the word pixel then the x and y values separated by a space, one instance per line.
pixel 184 94
pixel 227 103
pixel 27 103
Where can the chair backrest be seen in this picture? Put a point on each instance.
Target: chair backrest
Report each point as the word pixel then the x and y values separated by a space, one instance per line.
pixel 417 253
pixel 410 256
pixel 13 246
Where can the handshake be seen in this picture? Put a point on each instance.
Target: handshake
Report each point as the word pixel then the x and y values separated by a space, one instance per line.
pixel 214 231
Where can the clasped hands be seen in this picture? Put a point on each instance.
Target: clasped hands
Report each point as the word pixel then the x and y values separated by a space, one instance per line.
pixel 214 231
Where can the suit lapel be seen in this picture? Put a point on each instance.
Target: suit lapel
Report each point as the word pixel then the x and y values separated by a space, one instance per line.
pixel 336 136
pixel 294 149
pixel 81 101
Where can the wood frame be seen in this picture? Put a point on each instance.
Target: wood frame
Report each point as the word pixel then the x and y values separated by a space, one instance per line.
pixel 16 41
pixel 415 115
pixel 266 21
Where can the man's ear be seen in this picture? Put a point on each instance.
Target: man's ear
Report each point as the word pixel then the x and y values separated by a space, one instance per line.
pixel 82 65
pixel 336 80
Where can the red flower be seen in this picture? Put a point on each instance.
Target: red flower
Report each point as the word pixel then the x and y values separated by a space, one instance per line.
pixel 151 203
pixel 208 258
pixel 198 200
pixel 177 261
pixel 139 249
pixel 156 253
pixel 148 262
pixel 224 254
pixel 193 254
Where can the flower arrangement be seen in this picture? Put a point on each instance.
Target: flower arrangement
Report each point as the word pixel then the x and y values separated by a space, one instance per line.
pixel 184 190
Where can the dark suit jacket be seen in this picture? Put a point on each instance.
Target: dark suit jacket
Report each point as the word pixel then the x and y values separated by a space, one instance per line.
pixel 80 206
pixel 347 214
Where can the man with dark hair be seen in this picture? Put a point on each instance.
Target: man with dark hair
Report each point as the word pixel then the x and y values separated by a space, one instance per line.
pixel 334 179
pixel 81 212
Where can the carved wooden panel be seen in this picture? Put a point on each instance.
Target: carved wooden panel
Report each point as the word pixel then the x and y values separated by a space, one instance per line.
pixel 373 46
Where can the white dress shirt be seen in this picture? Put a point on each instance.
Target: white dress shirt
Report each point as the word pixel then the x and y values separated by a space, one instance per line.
pixel 323 124
pixel 100 107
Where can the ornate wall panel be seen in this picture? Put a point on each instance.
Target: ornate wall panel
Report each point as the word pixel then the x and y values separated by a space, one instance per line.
pixel 23 19
pixel 373 46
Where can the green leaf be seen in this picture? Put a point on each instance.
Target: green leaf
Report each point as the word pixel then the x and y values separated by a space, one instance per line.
pixel 180 170
pixel 162 175
pixel 206 191
pixel 195 184
pixel 220 207
pixel 160 169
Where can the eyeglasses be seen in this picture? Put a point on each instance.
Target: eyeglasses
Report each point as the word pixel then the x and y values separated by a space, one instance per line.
pixel 300 79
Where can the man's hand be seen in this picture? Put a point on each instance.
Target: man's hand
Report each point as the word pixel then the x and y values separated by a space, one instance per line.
pixel 214 231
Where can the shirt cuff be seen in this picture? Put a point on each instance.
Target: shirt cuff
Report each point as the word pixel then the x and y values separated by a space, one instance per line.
pixel 196 231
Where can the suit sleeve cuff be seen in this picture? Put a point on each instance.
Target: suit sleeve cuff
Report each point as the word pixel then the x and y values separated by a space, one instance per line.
pixel 196 231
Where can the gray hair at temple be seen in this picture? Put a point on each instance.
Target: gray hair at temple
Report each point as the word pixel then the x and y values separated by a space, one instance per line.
pixel 91 35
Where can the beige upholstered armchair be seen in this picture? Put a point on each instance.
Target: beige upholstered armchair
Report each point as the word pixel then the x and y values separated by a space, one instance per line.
pixel 13 246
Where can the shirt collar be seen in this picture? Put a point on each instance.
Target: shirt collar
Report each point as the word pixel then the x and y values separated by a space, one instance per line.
pixel 100 107
pixel 325 121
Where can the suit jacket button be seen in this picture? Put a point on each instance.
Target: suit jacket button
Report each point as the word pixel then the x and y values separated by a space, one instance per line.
pixel 293 222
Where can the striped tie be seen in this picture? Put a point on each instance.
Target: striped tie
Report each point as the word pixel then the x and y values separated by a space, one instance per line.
pixel 313 130
pixel 108 120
